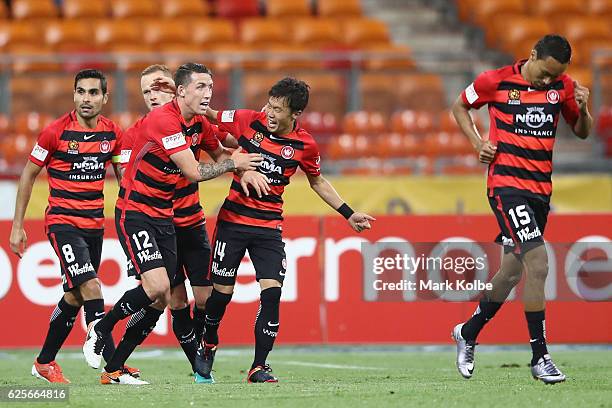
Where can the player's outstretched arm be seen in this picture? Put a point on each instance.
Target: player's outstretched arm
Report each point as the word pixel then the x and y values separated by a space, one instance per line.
pixel 18 238
pixel 583 125
pixel 196 172
pixel 358 221
pixel 485 149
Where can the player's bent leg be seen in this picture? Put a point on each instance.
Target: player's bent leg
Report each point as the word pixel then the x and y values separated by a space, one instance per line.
pixel 201 295
pixel 182 324
pixel 266 330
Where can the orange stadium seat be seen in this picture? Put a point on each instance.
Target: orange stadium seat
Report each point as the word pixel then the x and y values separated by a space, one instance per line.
pixel 448 124
pixel 178 54
pixel 420 92
pixel 522 30
pixel 365 123
pixel 208 32
pixel 339 8
pixel 556 8
pixel 68 36
pixel 600 8
pixel 235 9
pixel 33 9
pixel 438 144
pixel 465 9
pixel 31 122
pixel 134 9
pixel 327 92
pixel 86 9
pixel 125 119
pixel 482 11
pixel 165 32
pixel 289 58
pixel 584 76
pixel 316 32
pixel 319 123
pixel 412 121
pixel 284 8
pixel 255 87
pixel 389 56
pixel 363 32
pixel 184 8
pixel 377 92
pixel 46 93
pixel 583 53
pixel 14 34
pixel 581 28
pixel 261 31
pixel 109 33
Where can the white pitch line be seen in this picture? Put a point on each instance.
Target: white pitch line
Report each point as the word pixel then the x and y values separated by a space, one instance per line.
pixel 322 365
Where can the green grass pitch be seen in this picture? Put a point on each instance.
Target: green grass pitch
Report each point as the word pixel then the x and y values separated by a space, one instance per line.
pixel 333 377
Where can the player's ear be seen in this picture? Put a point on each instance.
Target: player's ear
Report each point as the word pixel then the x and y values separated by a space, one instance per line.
pixel 105 99
pixel 296 114
pixel 180 91
pixel 534 55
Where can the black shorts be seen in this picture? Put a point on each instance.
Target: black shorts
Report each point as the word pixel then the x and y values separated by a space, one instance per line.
pixel 79 256
pixel 522 221
pixel 147 243
pixel 193 256
pixel 266 250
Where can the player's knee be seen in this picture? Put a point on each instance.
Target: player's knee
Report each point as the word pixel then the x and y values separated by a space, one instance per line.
pixel 271 297
pixel 178 298
pixel 91 289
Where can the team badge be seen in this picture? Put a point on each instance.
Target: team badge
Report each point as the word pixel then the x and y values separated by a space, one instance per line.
pixel 105 146
pixel 552 96
pixel 258 137
pixel 73 147
pixel 285 263
pixel 514 97
pixel 194 140
pixel 287 152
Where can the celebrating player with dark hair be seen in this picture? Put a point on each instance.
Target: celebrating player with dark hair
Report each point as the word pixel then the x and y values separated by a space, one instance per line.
pixel 76 149
pixel 525 100
pixel 253 221
pixel 144 211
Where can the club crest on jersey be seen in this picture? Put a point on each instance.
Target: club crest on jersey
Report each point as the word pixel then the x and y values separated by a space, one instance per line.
pixel 514 97
pixel 287 152
pixel 194 140
pixel 552 96
pixel 105 146
pixel 73 147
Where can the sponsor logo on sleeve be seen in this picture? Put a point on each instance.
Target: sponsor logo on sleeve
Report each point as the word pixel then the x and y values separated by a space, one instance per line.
pixel 174 141
pixel 39 153
pixel 470 94
pixel 125 156
pixel 227 116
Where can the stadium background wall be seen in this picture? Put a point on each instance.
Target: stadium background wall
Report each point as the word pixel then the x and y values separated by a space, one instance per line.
pixel 323 298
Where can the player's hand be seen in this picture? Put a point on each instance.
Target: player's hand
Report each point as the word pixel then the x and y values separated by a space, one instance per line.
pixel 581 93
pixel 246 161
pixel 258 181
pixel 360 221
pixel 164 84
pixel 486 152
pixel 18 241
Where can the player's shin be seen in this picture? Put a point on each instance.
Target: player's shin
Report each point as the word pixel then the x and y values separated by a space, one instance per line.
pixel 183 328
pixel 199 317
pixel 138 328
pixel 215 309
pixel 266 325
pixel 60 326
pixel 131 302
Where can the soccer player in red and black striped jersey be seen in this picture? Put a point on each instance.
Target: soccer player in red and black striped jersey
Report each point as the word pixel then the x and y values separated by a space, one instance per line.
pixel 193 248
pixel 525 103
pixel 75 149
pixel 254 221
pixel 144 211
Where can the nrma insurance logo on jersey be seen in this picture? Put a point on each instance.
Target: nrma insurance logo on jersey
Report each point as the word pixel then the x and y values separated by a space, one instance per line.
pixel 535 117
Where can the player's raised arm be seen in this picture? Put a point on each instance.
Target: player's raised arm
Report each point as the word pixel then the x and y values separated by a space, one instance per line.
pixel 357 220
pixel 18 238
pixel 583 125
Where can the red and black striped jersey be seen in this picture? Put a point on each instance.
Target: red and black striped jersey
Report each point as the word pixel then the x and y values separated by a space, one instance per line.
pixel 151 177
pixel 76 159
pixel 186 205
pixel 282 156
pixel 523 125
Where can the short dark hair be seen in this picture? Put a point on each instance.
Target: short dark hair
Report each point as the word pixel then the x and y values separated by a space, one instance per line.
pixel 295 91
pixel 556 46
pixel 182 76
pixel 91 73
